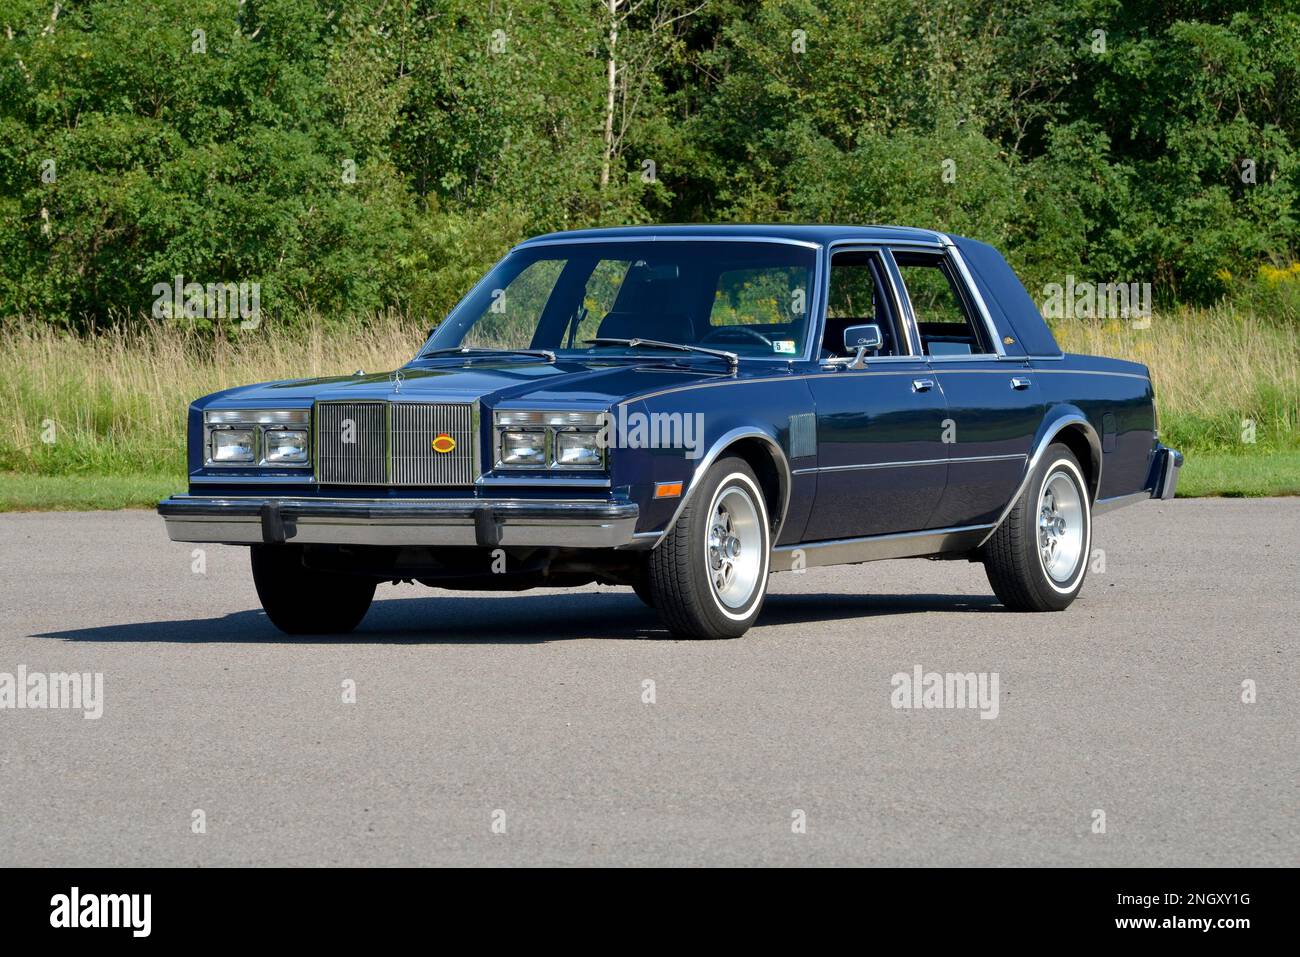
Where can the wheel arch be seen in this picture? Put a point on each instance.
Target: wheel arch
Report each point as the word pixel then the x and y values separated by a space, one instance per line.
pixel 1081 439
pixel 763 453
pixel 1068 425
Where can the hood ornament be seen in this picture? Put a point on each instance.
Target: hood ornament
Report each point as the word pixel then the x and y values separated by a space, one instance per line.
pixel 396 380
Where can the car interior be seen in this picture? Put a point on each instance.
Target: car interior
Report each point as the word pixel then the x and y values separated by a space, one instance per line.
pixel 943 316
pixel 858 297
pixel 675 302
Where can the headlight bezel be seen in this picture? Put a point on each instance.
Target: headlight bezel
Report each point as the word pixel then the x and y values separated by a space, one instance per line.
pixel 548 425
pixel 258 422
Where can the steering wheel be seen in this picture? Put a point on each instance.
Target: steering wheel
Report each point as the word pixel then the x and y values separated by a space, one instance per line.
pixel 733 333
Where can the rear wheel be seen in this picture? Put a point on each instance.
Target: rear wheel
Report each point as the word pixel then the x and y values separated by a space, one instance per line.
pixel 1038 557
pixel 306 601
pixel 708 577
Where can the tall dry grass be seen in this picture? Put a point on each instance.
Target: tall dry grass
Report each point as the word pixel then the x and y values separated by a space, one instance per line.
pixel 115 403
pixel 1216 372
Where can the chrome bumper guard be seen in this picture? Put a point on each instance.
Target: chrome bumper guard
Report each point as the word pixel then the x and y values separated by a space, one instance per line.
pixel 414 522
pixel 1165 472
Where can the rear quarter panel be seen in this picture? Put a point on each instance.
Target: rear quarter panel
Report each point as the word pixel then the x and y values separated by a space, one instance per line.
pixel 1117 399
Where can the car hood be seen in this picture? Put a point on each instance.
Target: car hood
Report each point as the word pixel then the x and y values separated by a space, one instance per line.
pixel 565 382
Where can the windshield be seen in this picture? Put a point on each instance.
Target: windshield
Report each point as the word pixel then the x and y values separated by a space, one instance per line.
pixel 750 298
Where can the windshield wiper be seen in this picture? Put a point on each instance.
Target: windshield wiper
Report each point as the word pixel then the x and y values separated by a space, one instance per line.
pixel 546 354
pixel 732 359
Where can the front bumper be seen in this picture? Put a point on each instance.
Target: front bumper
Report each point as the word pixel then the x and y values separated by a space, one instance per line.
pixel 414 522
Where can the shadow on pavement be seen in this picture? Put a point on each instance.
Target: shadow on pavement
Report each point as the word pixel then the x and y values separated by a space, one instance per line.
pixel 517 619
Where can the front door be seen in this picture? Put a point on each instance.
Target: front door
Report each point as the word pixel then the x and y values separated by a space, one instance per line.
pixel 881 463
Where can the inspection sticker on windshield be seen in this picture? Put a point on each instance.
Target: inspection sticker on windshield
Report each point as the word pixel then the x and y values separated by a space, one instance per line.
pixel 783 345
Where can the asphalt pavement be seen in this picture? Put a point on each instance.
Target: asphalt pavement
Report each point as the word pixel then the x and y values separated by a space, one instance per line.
pixel 1155 722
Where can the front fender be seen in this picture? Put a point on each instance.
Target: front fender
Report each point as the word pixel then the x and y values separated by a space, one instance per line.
pixel 752 416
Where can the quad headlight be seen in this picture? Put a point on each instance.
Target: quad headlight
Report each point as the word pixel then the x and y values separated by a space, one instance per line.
pixel 549 440
pixel 232 446
pixel 285 446
pixel 523 448
pixel 275 438
pixel 577 450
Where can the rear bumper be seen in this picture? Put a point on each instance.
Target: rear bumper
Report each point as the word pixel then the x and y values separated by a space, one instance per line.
pixel 414 522
pixel 1164 472
pixel 1162 482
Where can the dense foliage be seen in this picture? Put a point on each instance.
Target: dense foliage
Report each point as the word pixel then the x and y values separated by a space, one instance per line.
pixel 354 156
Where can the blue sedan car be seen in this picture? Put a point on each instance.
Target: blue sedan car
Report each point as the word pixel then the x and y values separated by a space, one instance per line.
pixel 685 410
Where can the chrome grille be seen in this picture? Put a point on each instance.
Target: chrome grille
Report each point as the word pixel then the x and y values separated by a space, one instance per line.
pixel 350 443
pixel 392 443
pixel 413 426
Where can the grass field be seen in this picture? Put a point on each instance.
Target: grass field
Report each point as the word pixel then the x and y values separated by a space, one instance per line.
pixel 23 492
pixel 99 422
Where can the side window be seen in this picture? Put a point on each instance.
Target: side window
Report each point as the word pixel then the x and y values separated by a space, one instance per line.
pixel 598 298
pixel 946 322
pixel 513 312
pixel 859 295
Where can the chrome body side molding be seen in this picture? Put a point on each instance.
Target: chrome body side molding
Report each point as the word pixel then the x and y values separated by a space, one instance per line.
pixel 1104 505
pixel 961 459
pixel 852 551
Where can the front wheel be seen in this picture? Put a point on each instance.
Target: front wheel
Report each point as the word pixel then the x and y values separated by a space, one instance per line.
pixel 708 577
pixel 301 600
pixel 1038 557
pixel 644 590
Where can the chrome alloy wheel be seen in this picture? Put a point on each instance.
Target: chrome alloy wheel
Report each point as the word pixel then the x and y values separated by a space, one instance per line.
pixel 1061 519
pixel 734 547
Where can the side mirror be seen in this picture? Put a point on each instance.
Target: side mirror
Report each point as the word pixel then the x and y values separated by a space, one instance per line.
pixel 860 339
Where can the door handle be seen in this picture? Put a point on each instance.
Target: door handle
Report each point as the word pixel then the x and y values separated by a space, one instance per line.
pixel 922 385
pixel 1018 383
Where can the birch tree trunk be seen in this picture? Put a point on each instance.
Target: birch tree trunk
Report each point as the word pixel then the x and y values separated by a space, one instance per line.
pixel 611 83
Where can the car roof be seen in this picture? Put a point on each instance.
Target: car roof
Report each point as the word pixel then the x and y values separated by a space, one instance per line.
pixel 808 233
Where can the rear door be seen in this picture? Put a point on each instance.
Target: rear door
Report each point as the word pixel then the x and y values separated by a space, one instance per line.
pixel 881 465
pixel 994 404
